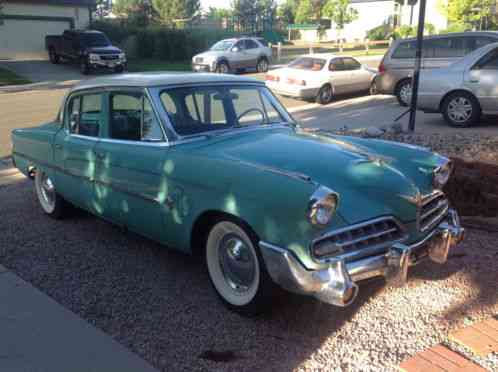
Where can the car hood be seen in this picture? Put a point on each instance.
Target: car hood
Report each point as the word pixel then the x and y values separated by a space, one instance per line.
pixel 370 184
pixel 210 54
pixel 104 50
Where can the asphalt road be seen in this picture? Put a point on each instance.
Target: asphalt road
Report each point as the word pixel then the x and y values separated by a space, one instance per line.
pixel 159 303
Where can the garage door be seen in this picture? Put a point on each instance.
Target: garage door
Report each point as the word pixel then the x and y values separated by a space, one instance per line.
pixel 25 39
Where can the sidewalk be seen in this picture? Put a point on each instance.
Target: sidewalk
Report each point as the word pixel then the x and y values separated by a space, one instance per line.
pixel 38 334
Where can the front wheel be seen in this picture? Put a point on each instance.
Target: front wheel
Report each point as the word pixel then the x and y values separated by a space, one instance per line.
pixel 222 68
pixel 236 268
pixel 325 95
pixel 50 201
pixel 461 109
pixel 52 55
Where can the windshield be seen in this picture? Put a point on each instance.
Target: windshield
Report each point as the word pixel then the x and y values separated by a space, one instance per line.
pixel 223 45
pixel 308 63
pixel 95 40
pixel 194 110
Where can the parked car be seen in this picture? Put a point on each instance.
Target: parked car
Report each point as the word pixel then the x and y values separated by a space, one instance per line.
pixel 396 68
pixel 213 165
pixel 90 49
pixel 321 77
pixel 232 55
pixel 464 90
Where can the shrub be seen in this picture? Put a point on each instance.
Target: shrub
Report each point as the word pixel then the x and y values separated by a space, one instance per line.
pixel 382 32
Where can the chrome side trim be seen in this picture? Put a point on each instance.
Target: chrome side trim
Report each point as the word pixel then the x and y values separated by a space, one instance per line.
pixel 296 175
pixel 135 143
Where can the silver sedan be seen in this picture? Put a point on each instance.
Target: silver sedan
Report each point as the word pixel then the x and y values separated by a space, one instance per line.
pixel 463 91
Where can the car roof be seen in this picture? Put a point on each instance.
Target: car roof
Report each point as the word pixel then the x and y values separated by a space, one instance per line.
pixel 325 55
pixel 454 34
pixel 153 79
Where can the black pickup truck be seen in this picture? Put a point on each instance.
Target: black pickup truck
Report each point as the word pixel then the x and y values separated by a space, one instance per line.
pixel 90 49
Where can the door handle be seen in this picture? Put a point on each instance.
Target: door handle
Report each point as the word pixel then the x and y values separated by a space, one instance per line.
pixel 474 80
pixel 58 146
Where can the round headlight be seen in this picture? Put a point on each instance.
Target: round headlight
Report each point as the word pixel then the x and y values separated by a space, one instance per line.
pixel 93 56
pixel 441 175
pixel 122 56
pixel 322 206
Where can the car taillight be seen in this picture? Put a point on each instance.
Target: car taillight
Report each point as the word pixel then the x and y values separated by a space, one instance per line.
pixel 382 68
pixel 272 78
pixel 296 81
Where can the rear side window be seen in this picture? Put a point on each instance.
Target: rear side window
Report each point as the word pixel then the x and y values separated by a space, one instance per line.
pixel 85 115
pixel 337 64
pixel 308 63
pixel 251 44
pixel 132 118
pixel 351 64
pixel 449 47
pixel 472 43
pixel 405 49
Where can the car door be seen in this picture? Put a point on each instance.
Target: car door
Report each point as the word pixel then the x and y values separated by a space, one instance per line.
pixel 129 184
pixel 340 77
pixel 238 56
pixel 74 148
pixel 253 52
pixel 360 77
pixel 482 79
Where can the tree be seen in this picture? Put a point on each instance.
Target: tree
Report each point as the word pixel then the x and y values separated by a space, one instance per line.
pixel 102 8
pixel 340 13
pixel 304 12
pixel 173 11
pixel 218 13
pixel 287 11
pixel 138 12
pixel 251 14
pixel 476 13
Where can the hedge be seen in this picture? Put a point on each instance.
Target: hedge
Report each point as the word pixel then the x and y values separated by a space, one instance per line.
pixel 160 42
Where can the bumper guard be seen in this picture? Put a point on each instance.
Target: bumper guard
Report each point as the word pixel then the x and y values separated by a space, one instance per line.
pixel 336 284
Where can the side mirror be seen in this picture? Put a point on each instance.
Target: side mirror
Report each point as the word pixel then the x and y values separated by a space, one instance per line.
pixel 74 122
pixel 235 49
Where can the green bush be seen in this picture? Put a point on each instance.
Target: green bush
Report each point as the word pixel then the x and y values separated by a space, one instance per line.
pixel 382 32
pixel 159 41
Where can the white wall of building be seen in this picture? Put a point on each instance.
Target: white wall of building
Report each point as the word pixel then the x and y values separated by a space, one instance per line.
pixel 25 38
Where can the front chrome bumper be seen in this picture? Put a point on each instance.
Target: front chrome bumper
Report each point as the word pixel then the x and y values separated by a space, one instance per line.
pixel 337 284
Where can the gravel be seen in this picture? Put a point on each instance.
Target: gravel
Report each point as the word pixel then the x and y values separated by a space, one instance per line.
pixel 469 146
pixel 159 303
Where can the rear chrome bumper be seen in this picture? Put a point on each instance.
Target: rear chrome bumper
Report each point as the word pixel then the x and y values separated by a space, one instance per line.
pixel 337 284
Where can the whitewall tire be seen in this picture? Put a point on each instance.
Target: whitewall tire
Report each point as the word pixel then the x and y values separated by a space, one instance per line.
pixel 50 201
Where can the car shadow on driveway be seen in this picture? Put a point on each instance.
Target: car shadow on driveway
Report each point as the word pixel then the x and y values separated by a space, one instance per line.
pixel 157 302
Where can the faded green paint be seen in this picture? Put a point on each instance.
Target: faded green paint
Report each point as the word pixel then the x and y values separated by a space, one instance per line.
pixel 160 191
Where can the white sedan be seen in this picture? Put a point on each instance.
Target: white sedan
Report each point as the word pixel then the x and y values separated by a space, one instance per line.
pixel 321 77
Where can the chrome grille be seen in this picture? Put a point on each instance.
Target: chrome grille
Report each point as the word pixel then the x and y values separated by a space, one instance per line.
pixel 377 233
pixel 109 57
pixel 199 60
pixel 433 209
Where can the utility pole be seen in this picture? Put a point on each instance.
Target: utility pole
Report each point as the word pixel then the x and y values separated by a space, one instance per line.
pixel 418 64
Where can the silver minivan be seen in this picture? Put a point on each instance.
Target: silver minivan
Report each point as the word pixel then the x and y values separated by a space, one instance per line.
pixel 396 68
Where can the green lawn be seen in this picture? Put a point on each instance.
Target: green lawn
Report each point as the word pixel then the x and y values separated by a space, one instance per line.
pixel 7 77
pixel 139 65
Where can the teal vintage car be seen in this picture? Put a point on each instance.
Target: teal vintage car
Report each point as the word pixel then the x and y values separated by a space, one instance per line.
pixel 214 165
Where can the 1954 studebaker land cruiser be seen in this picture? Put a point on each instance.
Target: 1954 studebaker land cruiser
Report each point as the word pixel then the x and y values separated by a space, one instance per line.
pixel 214 165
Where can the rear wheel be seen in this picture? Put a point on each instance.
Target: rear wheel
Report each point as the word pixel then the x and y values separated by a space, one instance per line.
pixel 84 68
pixel 236 268
pixel 373 89
pixel 119 69
pixel 461 109
pixel 404 92
pixel 325 95
pixel 50 201
pixel 262 65
pixel 52 55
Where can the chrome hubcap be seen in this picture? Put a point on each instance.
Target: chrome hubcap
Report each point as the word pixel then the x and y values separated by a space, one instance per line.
pixel 262 66
pixel 47 191
pixel 460 109
pixel 326 94
pixel 405 93
pixel 223 68
pixel 237 263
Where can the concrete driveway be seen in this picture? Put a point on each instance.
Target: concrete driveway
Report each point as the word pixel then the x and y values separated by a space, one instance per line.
pixel 43 71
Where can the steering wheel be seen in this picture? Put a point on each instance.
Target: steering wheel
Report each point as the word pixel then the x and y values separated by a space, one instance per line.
pixel 250 110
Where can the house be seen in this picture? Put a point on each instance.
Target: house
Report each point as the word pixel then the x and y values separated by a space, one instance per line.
pixel 25 23
pixel 373 13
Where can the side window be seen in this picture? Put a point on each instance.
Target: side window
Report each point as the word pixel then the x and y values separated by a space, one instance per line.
pixel 251 44
pixel 132 118
pixel 85 115
pixel 489 61
pixel 336 64
pixel 447 47
pixel 351 64
pixel 472 43
pixel 240 45
pixel 405 49
pixel 205 107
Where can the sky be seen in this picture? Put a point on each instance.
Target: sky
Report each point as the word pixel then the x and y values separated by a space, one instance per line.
pixel 215 3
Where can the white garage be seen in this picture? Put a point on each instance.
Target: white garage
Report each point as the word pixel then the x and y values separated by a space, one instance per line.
pixel 24 24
